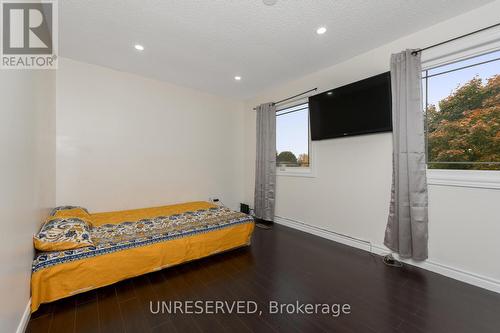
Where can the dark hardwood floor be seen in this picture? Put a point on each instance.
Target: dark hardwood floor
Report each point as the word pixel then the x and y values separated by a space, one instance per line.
pixel 285 265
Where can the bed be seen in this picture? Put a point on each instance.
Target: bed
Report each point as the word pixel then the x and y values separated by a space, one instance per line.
pixel 134 242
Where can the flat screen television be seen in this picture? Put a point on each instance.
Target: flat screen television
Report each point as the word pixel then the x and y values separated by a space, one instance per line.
pixel 358 108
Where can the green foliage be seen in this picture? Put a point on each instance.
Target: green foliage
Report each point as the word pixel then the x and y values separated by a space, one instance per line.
pixel 286 157
pixel 468 97
pixel 467 126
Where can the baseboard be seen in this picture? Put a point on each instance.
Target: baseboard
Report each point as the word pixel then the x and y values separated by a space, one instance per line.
pixel 21 328
pixel 429 264
pixel 334 236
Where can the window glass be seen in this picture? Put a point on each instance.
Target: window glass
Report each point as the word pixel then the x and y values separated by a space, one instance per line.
pixel 462 104
pixel 292 137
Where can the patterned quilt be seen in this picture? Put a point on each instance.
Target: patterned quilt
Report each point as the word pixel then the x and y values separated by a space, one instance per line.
pixel 110 238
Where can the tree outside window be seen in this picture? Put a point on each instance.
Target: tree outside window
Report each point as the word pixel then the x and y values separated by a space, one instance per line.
pixel 462 102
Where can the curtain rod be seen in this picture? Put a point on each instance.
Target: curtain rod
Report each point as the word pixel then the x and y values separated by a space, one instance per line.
pixel 291 97
pixel 455 38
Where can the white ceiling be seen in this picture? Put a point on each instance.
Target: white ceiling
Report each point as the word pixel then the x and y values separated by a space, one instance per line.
pixel 203 44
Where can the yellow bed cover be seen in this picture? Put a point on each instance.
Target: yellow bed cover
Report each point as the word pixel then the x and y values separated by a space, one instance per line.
pixel 134 242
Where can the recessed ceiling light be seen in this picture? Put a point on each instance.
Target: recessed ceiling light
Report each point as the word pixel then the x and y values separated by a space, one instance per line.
pixel 321 30
pixel 237 78
pixel 139 47
pixel 329 93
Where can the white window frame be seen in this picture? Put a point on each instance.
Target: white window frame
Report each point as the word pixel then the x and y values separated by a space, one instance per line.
pixel 487 179
pixel 459 50
pixel 309 172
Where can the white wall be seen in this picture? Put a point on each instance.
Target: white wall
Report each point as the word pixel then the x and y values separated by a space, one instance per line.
pixel 350 194
pixel 27 180
pixel 124 141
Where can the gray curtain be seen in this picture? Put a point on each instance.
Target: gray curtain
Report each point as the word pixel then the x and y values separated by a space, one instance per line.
pixel 406 231
pixel 265 165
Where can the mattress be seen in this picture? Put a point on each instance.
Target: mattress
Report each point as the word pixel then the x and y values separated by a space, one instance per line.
pixel 134 242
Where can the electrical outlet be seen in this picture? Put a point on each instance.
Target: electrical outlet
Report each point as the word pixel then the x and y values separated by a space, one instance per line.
pixel 214 199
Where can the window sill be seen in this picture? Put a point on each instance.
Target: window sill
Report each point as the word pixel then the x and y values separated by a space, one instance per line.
pixel 309 173
pixel 464 178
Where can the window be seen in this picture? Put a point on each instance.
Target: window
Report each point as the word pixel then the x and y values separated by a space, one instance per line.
pixel 462 105
pixel 292 140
